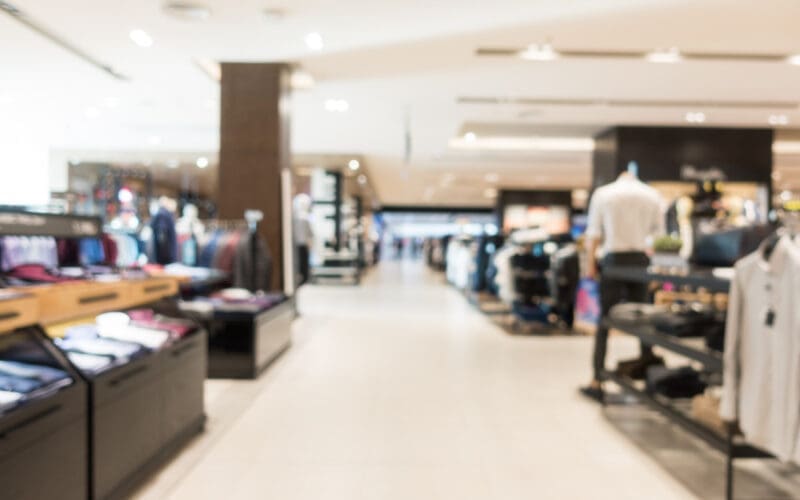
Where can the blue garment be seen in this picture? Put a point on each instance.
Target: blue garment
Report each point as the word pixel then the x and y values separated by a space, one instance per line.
pixel 43 374
pixel 165 239
pixel 91 252
pixel 207 254
pixel 18 384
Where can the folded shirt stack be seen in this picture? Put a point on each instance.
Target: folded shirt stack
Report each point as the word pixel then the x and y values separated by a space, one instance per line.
pixel 147 318
pixel 684 382
pixel 687 320
pixel 20 381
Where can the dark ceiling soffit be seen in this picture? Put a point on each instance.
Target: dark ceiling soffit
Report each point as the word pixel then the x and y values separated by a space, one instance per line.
pixel 22 18
pixel 626 54
pixel 424 209
pixel 628 103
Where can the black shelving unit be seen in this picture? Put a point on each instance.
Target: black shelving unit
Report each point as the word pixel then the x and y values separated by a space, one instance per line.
pixel 730 444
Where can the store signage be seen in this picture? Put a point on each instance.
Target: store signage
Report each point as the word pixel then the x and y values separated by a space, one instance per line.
pixel 64 226
pixel 690 173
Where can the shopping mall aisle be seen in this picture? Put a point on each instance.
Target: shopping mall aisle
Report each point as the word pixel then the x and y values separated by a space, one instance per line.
pixel 398 389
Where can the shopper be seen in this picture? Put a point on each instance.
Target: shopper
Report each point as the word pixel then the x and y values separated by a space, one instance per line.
pixel 623 216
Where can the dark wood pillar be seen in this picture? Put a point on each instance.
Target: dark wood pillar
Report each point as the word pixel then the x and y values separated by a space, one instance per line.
pixel 255 150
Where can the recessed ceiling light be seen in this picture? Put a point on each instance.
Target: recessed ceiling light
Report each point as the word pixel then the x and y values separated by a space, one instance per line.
pixel 273 15
pixel 470 137
pixel 786 195
pixel 91 112
pixel 202 162
pixel 490 193
pixel 539 52
pixel 362 179
pixel 314 41
pixel 778 120
pixel 187 11
pixel 491 178
pixel 154 140
pixel 354 165
pixel 794 59
pixel 668 56
pixel 173 163
pixel 695 117
pixel 141 38
pixel 337 105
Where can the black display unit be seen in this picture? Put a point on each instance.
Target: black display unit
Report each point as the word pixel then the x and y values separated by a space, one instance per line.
pixel 242 344
pixel 142 412
pixel 44 444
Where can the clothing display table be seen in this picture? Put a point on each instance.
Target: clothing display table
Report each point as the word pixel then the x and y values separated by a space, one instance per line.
pixel 729 443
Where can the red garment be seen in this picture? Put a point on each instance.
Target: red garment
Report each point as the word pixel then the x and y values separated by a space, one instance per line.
pixel 228 252
pixel 110 249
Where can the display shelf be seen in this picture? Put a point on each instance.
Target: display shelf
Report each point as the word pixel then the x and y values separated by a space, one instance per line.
pixel 694 277
pixel 17 310
pixel 712 360
pixel 65 301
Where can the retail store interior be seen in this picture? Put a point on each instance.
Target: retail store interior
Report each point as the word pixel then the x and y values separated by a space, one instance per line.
pixel 308 250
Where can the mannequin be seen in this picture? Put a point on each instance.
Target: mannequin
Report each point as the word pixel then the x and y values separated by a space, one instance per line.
pixel 623 216
pixel 303 235
pixel 189 229
pixel 164 236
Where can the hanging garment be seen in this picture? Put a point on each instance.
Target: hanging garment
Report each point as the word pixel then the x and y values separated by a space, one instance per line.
pixel 252 266
pixel 761 380
pixel 165 242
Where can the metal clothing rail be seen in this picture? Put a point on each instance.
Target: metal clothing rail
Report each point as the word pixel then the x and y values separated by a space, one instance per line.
pixel 728 444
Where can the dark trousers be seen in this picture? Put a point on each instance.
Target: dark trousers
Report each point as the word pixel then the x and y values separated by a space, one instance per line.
pixel 613 292
pixel 302 264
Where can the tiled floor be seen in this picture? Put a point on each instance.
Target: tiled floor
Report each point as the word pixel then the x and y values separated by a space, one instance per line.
pixel 398 389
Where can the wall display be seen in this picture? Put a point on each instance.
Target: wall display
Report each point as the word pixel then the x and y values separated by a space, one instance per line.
pixel 553 219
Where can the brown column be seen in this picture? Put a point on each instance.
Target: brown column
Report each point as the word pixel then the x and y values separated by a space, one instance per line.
pixel 254 149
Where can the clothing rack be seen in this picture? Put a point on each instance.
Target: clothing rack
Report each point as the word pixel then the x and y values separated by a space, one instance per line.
pixel 728 444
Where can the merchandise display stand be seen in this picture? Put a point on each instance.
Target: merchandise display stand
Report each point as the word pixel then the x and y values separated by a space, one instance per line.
pixel 44 443
pixel 243 344
pixel 730 444
pixel 133 416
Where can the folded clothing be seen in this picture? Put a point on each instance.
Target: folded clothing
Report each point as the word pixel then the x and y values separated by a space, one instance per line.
pixel 684 382
pixel 147 337
pixel 99 346
pixel 635 311
pixel 40 373
pixel 19 385
pixel 9 400
pixel 686 320
pixel 147 318
pixel 636 369
pixel 90 363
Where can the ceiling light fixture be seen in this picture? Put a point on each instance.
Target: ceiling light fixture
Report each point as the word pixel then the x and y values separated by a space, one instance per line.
pixel 695 117
pixel 202 162
pixel 470 137
pixel 187 11
pixel 141 38
pixel 362 179
pixel 354 165
pixel 778 120
pixel 794 59
pixel 314 41
pixel 539 52
pixel 336 105
pixel 490 193
pixel 668 56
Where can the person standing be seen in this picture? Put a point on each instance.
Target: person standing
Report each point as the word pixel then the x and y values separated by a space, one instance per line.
pixel 624 216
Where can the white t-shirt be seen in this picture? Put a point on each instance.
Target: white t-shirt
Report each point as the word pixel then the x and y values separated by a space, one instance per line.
pixel 761 379
pixel 624 214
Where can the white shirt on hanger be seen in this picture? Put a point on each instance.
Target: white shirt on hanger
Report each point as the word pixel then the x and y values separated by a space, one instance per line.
pixel 625 214
pixel 761 379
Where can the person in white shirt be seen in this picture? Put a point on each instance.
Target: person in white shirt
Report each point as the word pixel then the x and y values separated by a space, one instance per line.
pixel 623 215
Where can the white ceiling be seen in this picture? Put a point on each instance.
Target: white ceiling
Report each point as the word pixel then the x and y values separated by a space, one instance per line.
pixel 401 64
